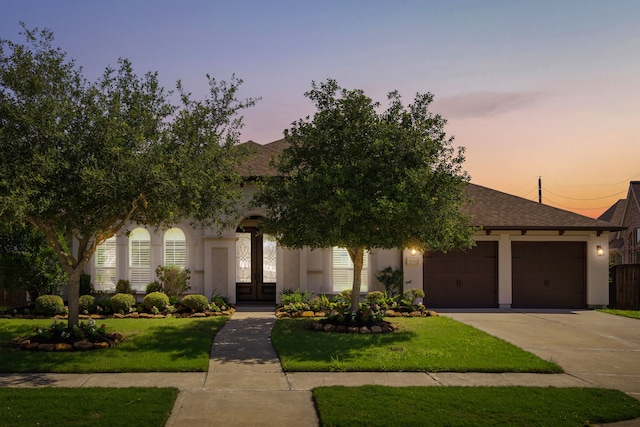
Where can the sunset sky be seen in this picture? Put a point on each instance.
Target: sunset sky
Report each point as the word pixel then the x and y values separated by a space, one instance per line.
pixel 530 88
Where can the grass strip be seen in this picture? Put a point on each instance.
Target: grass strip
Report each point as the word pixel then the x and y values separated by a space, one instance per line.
pixel 151 345
pixel 471 406
pixel 97 407
pixel 634 314
pixel 432 344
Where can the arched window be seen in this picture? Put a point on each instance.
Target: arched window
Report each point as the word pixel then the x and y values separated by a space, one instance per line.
pixel 139 259
pixel 175 248
pixel 106 265
pixel 343 271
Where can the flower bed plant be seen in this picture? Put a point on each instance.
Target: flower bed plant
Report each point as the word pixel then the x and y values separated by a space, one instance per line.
pixel 376 305
pixel 82 337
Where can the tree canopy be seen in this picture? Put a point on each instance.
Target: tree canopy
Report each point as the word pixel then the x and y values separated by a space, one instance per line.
pixel 360 178
pixel 85 159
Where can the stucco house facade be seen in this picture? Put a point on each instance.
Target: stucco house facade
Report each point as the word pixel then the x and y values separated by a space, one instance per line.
pixel 528 255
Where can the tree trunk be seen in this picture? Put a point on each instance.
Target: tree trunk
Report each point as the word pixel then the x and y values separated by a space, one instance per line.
pixel 74 297
pixel 357 258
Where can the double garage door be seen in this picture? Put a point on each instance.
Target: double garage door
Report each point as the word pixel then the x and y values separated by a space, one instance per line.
pixel 544 275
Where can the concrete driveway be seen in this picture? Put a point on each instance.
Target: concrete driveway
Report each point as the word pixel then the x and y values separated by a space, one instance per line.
pixel 601 349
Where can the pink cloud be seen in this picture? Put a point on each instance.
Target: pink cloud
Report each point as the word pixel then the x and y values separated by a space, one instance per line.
pixel 484 104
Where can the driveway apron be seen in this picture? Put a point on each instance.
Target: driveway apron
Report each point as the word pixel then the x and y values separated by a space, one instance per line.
pixel 599 348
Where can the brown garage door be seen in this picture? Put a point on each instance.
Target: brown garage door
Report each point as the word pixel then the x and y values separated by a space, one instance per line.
pixel 549 274
pixel 462 279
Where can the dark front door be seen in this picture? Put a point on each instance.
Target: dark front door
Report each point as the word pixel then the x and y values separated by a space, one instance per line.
pixel 255 266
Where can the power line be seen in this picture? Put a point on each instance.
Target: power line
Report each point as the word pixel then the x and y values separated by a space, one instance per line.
pixel 594 185
pixel 577 208
pixel 585 200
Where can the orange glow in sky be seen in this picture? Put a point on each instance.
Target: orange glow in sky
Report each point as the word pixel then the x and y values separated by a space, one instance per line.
pixel 543 88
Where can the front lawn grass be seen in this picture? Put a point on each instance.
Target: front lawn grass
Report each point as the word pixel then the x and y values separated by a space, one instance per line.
pixel 432 344
pixel 150 345
pixel 634 314
pixel 96 407
pixel 471 406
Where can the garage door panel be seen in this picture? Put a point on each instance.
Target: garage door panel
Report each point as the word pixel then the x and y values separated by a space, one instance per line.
pixel 462 279
pixel 549 274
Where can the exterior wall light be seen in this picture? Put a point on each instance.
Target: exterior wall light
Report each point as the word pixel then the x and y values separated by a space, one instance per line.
pixel 600 250
pixel 413 251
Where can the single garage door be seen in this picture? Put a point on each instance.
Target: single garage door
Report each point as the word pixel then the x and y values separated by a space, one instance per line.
pixel 462 279
pixel 549 274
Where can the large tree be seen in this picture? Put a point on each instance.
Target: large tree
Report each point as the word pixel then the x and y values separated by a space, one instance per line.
pixel 81 160
pixel 362 179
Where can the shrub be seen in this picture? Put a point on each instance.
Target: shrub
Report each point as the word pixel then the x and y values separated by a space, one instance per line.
pixel 409 297
pixel 49 305
pixel 87 303
pixel 392 279
pixel 196 303
pixel 124 287
pixel 219 301
pixel 158 300
pixel 86 287
pixel 374 298
pixel 291 296
pixel 103 305
pixel 320 303
pixel 174 279
pixel 154 287
pixel 121 303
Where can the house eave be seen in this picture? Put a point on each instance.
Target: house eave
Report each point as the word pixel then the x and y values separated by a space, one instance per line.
pixel 522 229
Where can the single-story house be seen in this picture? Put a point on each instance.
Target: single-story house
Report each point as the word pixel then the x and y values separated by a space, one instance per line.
pixel 527 255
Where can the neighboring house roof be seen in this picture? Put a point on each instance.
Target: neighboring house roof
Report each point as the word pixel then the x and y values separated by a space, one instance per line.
pixel 490 209
pixel 615 213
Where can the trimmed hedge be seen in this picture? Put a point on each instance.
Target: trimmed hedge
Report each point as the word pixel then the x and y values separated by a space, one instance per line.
pixel 196 303
pixel 49 305
pixel 158 300
pixel 121 303
pixel 87 303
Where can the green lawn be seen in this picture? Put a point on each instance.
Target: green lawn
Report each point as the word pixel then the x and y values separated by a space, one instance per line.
pixel 635 314
pixel 96 407
pixel 151 345
pixel 471 406
pixel 433 344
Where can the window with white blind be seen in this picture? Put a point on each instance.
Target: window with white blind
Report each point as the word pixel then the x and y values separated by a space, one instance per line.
pixel 139 259
pixel 105 257
pixel 342 269
pixel 175 248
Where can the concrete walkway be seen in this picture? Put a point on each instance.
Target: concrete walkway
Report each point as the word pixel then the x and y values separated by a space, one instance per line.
pixel 245 384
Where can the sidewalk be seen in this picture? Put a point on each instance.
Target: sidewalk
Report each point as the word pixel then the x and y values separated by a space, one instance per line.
pixel 245 384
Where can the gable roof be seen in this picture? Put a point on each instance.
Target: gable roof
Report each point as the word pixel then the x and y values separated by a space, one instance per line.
pixel 489 209
pixel 261 154
pixel 615 213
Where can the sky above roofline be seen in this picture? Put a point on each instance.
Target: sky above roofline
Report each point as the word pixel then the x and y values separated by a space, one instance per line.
pixel 531 89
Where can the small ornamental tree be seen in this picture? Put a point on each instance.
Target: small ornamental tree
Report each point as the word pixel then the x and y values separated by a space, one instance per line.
pixel 361 179
pixel 82 160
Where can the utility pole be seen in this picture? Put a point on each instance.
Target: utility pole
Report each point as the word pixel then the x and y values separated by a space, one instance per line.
pixel 539 189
